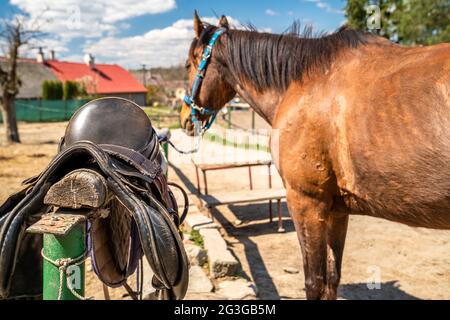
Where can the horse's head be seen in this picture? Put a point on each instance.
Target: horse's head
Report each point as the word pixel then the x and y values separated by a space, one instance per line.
pixel 208 91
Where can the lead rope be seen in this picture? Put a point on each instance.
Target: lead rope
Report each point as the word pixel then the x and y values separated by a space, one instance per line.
pixel 198 135
pixel 62 264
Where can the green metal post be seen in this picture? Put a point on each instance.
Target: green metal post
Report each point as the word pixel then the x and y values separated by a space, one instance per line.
pixel 165 147
pixel 253 119
pixel 57 247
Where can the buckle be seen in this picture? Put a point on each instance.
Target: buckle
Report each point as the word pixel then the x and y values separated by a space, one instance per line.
pixel 196 107
pixel 206 55
pixel 207 52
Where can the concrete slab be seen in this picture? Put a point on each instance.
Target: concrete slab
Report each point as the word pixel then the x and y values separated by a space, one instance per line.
pixel 237 289
pixel 221 262
pixel 198 281
pixel 196 255
pixel 197 221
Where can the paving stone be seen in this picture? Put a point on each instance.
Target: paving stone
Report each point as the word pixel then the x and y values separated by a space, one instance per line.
pixel 198 281
pixel 237 289
pixel 197 256
pixel 221 261
pixel 197 221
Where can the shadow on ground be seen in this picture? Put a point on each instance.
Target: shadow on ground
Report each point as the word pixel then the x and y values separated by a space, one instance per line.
pixel 255 222
pixel 388 291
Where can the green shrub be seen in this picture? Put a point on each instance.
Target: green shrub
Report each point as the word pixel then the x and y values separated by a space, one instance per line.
pixel 52 90
pixel 71 90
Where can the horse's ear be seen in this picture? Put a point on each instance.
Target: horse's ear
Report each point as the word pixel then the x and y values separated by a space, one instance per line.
pixel 223 22
pixel 198 25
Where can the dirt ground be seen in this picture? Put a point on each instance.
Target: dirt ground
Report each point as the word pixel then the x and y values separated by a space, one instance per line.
pixel 410 263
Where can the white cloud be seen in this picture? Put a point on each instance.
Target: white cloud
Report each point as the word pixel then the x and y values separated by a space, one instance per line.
pixel 157 47
pixel 47 44
pixel 74 58
pixel 325 6
pixel 64 20
pixel 271 12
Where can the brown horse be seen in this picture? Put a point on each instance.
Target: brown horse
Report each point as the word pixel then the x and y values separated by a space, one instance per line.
pixel 362 126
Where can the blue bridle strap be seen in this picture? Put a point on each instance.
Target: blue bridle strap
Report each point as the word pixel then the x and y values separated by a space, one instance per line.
pixel 195 110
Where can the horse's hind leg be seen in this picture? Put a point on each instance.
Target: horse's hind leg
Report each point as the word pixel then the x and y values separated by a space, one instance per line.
pixel 321 235
pixel 336 232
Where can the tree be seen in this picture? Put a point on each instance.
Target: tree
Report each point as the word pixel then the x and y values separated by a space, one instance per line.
pixel 425 22
pixel 410 22
pixel 155 94
pixel 15 34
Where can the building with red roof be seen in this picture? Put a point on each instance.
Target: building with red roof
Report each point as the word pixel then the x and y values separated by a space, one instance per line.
pixel 97 79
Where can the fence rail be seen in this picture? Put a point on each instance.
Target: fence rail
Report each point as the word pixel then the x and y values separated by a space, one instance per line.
pixel 46 110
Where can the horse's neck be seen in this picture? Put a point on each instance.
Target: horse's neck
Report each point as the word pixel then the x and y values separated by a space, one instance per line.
pixel 264 103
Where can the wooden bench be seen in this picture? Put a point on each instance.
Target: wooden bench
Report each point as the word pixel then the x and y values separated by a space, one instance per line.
pixel 248 196
pixel 204 167
pixel 241 196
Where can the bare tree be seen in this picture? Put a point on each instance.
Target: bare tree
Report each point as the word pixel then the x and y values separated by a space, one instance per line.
pixel 15 34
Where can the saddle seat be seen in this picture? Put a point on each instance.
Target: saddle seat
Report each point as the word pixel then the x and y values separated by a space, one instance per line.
pixel 112 121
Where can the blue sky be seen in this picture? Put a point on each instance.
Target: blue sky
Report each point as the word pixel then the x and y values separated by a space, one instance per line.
pixel 156 32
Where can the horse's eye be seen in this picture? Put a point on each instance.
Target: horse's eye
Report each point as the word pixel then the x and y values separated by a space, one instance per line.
pixel 187 65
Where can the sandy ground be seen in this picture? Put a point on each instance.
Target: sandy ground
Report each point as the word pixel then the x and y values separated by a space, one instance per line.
pixel 410 263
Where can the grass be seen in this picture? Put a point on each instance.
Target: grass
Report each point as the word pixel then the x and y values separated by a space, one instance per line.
pixel 219 139
pixel 160 110
pixel 163 116
pixel 197 238
pixel 175 125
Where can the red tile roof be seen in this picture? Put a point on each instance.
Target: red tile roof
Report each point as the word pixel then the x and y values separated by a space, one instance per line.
pixel 103 79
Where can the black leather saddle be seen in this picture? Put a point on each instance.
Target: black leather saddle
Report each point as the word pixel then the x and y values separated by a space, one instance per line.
pixel 114 138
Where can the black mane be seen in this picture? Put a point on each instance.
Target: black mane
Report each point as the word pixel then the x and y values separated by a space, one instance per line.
pixel 275 60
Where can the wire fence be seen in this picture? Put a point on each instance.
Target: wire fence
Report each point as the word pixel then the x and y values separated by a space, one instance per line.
pixel 46 110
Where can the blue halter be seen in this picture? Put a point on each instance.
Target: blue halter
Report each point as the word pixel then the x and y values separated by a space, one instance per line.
pixel 195 109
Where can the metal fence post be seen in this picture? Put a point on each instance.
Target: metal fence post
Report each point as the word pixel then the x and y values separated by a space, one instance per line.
pixel 164 136
pixel 165 147
pixel 57 247
pixel 63 253
pixel 253 120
